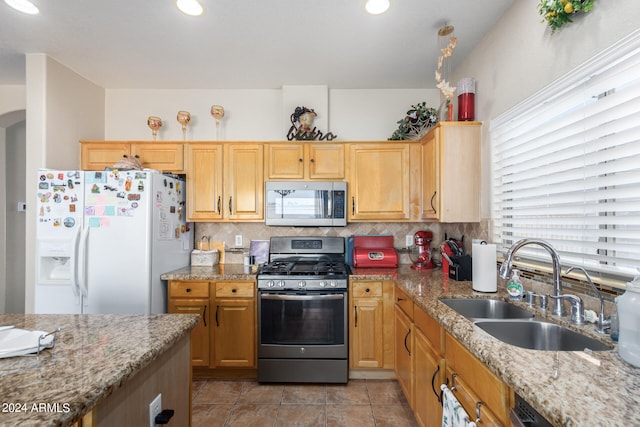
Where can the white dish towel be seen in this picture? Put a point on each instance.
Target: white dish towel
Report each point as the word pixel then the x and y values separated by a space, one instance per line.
pixel 453 414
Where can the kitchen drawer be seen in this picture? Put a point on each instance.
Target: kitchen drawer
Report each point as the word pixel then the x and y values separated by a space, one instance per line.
pixel 235 289
pixel 366 289
pixel 472 404
pixel 404 302
pixel 188 289
pixel 430 328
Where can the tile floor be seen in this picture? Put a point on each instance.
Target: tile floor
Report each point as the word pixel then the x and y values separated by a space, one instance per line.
pixel 248 403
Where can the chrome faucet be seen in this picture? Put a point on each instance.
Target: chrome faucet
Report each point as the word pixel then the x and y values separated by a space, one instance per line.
pixel 505 269
pixel 603 322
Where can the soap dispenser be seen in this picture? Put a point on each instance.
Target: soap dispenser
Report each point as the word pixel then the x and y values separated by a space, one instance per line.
pixel 515 287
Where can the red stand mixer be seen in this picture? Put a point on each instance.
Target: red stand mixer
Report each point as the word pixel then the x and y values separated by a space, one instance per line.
pixel 420 252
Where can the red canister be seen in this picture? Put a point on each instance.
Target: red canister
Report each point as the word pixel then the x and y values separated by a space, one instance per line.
pixel 466 99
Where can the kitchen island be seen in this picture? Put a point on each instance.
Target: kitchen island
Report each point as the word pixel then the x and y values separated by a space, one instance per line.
pixel 106 368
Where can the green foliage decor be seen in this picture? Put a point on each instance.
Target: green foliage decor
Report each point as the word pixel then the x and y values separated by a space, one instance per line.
pixel 416 123
pixel 556 13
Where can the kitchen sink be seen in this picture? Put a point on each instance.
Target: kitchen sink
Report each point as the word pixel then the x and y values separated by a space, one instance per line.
pixel 536 335
pixel 476 308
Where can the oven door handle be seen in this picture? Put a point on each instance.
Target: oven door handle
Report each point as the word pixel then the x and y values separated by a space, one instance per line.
pixel 301 297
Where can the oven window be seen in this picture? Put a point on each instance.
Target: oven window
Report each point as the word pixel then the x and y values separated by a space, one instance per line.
pixel 302 319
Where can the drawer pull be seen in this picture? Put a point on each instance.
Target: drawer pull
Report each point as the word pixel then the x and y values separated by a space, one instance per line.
pixel 399 299
pixel 234 290
pixel 188 290
pixel 367 290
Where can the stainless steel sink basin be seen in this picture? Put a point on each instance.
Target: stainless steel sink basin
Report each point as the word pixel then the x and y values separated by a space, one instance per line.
pixel 475 308
pixel 536 335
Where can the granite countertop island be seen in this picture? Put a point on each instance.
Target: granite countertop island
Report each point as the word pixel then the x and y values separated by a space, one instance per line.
pixel 94 355
pixel 567 388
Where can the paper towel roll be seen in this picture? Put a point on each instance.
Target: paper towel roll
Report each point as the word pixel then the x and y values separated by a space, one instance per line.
pixel 483 268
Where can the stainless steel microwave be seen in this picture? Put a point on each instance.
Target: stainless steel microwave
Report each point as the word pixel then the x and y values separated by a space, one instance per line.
pixel 306 204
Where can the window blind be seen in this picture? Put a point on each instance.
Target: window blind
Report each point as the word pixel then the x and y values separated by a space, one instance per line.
pixel 566 166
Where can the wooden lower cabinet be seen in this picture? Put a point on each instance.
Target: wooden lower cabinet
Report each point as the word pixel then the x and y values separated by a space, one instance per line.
pixel 404 353
pixel 226 337
pixel 192 297
pixel 476 387
pixel 234 329
pixel 428 369
pixel 371 325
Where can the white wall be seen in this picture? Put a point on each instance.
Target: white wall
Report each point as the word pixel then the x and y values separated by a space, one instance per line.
pixel 62 108
pixel 255 114
pixel 520 56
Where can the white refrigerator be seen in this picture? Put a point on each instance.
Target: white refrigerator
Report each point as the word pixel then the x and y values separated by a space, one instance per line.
pixel 104 238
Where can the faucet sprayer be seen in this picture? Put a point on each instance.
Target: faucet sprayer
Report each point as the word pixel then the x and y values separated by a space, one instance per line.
pixel 505 269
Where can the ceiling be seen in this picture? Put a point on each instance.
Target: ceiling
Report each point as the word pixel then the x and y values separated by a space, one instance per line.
pixel 243 44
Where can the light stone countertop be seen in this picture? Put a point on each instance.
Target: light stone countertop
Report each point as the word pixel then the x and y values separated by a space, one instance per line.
pixel 94 355
pixel 567 388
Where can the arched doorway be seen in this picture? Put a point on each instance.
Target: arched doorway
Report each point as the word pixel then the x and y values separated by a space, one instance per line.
pixel 12 218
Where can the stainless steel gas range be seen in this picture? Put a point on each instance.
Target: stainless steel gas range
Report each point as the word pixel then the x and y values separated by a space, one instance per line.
pixel 302 311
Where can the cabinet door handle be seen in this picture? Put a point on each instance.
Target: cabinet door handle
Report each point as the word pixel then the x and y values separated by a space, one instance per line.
pixel 399 299
pixel 433 387
pixel 405 341
pixel 217 320
pixel 230 209
pixel 219 204
pixel 300 160
pixel 353 205
pixel 355 316
pixel 204 315
pixel 433 197
pixel 313 160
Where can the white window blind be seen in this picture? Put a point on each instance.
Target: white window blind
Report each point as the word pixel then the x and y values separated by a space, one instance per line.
pixel 566 166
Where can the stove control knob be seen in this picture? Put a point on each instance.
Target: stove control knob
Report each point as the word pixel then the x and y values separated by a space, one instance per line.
pixel 280 283
pixel 270 284
pixel 302 284
pixel 332 284
pixel 322 284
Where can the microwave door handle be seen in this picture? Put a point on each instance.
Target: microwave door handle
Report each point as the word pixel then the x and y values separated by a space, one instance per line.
pixel 330 204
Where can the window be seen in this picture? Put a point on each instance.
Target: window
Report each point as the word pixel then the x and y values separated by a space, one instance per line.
pixel 566 166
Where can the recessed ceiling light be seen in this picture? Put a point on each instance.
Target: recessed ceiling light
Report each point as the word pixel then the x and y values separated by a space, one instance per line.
pixel 190 7
pixel 24 6
pixel 376 7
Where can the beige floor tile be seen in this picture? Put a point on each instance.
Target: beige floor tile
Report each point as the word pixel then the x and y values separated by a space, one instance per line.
pixel 352 393
pixel 210 415
pixel 314 394
pixel 253 392
pixel 393 416
pixel 218 392
pixel 253 415
pixel 349 415
pixel 385 392
pixel 297 415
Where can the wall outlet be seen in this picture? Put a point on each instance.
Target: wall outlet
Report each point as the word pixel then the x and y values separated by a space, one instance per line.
pixel 238 240
pixel 408 240
pixel 155 407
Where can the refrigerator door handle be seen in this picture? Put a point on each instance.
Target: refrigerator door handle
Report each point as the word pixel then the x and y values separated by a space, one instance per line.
pixel 75 287
pixel 82 258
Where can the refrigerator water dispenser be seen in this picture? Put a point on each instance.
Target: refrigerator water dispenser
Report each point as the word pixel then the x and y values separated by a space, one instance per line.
pixel 55 262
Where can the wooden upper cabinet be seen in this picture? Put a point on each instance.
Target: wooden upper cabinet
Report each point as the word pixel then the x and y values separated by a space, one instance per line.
pixel 451 166
pixel 203 164
pixel 96 155
pixel 165 156
pixel 305 161
pixel 160 155
pixel 225 182
pixel 380 182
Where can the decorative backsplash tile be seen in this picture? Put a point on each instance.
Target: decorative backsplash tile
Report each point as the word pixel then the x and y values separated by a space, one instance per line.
pixel 226 232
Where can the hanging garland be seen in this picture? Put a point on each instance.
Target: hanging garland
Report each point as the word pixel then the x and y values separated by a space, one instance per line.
pixel 556 13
